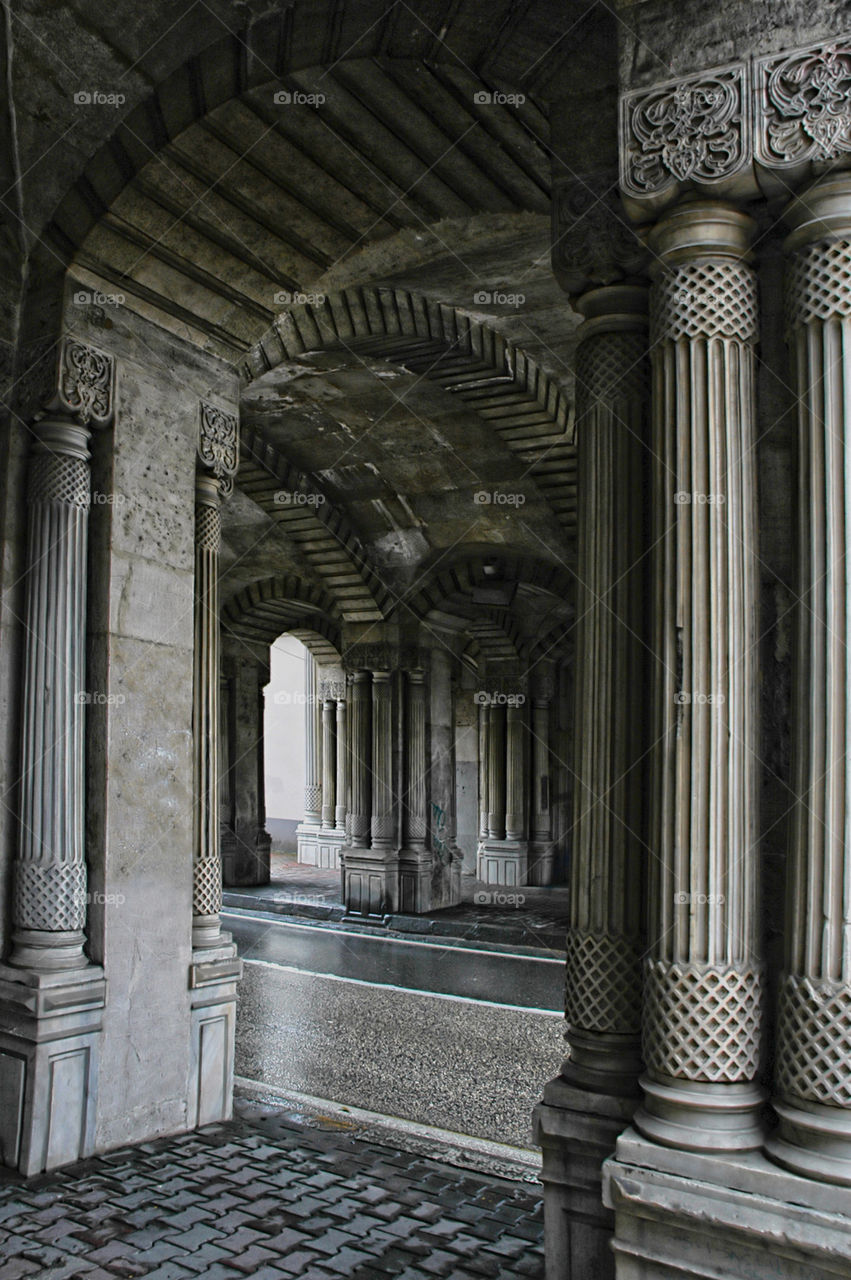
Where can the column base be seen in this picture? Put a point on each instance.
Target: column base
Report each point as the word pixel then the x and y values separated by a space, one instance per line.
pixel 541 864
pixel 213 978
pixel 812 1140
pixel 502 862
pixel 685 1216
pixel 307 840
pixel 693 1116
pixel 416 867
pixel 329 848
pixel 245 858
pixel 50 1033
pixel 370 881
pixel 576 1130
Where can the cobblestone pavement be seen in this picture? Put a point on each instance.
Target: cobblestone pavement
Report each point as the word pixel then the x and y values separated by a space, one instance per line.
pixel 267 1198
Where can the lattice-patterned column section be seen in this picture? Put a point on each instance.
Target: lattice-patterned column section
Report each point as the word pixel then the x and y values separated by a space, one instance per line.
pixel 218 454
pixel 604 945
pixel 813 1072
pixel 702 1007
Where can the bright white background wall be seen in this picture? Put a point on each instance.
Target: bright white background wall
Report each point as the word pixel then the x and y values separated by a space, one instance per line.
pixel 284 730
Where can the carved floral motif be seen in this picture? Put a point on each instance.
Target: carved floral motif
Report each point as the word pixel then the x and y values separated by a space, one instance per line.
pixel 696 128
pixel 804 106
pixel 86 382
pixel 592 237
pixel 218 445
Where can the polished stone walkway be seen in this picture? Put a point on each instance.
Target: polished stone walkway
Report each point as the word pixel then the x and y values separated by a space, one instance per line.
pixel 268 1198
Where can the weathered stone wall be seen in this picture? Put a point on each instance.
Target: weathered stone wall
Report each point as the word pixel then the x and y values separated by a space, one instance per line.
pixel 140 670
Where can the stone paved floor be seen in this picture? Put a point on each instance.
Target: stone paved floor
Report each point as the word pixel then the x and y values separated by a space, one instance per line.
pixel 267 1198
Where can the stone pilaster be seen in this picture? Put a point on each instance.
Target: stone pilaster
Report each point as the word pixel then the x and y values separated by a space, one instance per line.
pixel 245 842
pixel 415 861
pixel 587 1106
pixel 329 762
pixel 51 996
pixel 341 739
pixel 307 832
pixel 496 773
pixel 703 985
pixel 215 968
pixel 541 852
pixel 361 807
pixel 484 767
pixel 515 772
pixel 812 1074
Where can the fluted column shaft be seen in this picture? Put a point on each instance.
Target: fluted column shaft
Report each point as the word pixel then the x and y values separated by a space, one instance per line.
pixel 361 763
pixel 515 772
pixel 383 821
pixel 342 750
pixel 207 874
pixel 702 1009
pixel 484 752
pixel 312 734
pixel 496 773
pixel 329 762
pixel 604 943
pixel 813 1076
pixel 49 904
pixel 415 826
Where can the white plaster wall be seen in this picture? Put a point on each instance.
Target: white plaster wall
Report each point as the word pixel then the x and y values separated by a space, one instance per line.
pixel 284 730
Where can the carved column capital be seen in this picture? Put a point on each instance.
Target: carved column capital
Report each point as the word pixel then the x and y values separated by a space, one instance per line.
pixel 85 383
pixel 218 445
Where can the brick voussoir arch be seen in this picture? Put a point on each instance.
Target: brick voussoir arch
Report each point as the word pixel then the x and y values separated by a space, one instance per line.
pixel 466 573
pixel 265 609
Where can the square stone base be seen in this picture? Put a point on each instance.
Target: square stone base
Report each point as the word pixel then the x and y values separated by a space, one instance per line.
pixel 50 1033
pixel 577 1131
pixel 502 862
pixel 213 977
pixel 541 864
pixel 370 882
pixel 307 838
pixel 680 1216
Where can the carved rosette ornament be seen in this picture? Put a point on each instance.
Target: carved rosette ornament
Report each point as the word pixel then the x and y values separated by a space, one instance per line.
pixel 804 105
pixel 813 1075
pixel 50 893
pixel 695 129
pixel 218 445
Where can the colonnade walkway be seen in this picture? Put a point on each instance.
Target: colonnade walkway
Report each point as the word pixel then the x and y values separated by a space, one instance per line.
pixel 271 1195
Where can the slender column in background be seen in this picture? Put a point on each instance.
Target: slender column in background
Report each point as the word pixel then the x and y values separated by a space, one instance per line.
pixel 329 762
pixel 312 734
pixel 703 982
pixel 541 854
pixel 361 765
pixel 342 759
pixel 484 754
pixel 515 772
pixel 496 773
pixel 416 819
pixel 812 1072
pixel 382 825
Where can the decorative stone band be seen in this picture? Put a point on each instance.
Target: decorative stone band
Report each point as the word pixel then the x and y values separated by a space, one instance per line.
pixel 705 300
pixel 50 896
pixel 713 130
pixel 702 1022
pixel 814 1041
pixel 208 527
pixel 207 887
pixel 57 478
pixel 383 826
pixel 603 984
pixel 610 365
pixel 818 283
pixel 312 799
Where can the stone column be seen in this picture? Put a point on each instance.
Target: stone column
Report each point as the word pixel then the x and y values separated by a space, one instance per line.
pixel 496 773
pixel 515 772
pixel 541 850
pixel 382 826
pixel 245 843
pixel 312 735
pixel 342 780
pixel 813 1054
pixel 703 984
pixel 589 1104
pixel 484 754
pixel 361 765
pixel 51 996
pixel 329 762
pixel 415 862
pixel 215 968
